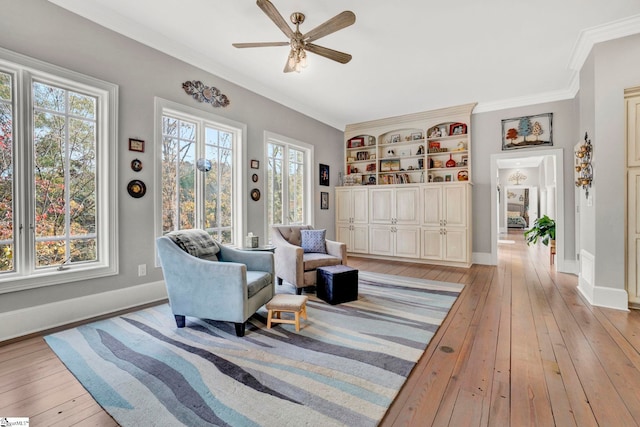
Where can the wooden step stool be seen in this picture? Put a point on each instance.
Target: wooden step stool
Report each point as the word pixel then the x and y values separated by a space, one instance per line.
pixel 285 303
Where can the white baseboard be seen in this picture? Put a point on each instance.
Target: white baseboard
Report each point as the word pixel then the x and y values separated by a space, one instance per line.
pixel 600 296
pixel 29 320
pixel 482 258
pixel 570 266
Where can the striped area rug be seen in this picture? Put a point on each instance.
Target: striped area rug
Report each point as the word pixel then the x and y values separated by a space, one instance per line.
pixel 344 367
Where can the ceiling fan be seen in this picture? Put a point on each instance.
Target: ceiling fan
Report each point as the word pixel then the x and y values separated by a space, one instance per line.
pixel 300 43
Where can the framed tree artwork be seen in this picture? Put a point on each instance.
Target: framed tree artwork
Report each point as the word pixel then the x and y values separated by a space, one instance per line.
pixel 527 131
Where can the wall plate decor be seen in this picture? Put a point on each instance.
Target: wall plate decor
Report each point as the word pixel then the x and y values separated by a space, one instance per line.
pixel 136 145
pixel 202 93
pixel 255 164
pixel 324 200
pixel 255 194
pixel 136 165
pixel 254 177
pixel 324 174
pixel 136 188
pixel 527 131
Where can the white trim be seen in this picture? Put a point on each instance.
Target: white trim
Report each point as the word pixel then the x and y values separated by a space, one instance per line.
pixel 38 318
pixel 601 296
pixel 523 101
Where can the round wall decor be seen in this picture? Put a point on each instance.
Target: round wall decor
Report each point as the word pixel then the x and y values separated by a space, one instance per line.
pixel 136 188
pixel 136 165
pixel 255 194
pixel 254 177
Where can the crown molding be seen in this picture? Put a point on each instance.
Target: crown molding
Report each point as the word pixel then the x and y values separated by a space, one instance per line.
pixel 601 33
pixel 523 101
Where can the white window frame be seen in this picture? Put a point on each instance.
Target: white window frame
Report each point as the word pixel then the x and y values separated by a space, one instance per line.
pixel 271 137
pixel 25 71
pixel 164 106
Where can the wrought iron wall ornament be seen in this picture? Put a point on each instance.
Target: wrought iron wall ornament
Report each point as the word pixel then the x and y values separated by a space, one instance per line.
pixel 202 93
pixel 584 169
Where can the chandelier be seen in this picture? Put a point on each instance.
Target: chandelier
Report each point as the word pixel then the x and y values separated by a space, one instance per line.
pixel 584 170
pixel 516 177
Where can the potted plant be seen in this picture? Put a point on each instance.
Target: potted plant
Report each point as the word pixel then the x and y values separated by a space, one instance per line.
pixel 543 229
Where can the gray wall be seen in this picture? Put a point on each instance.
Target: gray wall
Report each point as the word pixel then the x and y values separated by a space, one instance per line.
pixel 611 67
pixel 41 30
pixel 487 140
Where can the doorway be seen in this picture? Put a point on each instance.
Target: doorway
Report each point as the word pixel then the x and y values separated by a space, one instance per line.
pixel 549 192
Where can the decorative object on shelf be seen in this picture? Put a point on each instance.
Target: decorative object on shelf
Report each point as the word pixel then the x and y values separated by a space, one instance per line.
pixel 462 146
pixel 463 175
pixel 450 163
pixel 351 159
pixel 203 93
pixel 203 165
pixel 584 169
pixel 391 153
pixel 404 153
pixel 324 200
pixel 464 159
pixel 435 132
pixel 254 177
pixel 372 157
pixel 448 177
pixel 300 43
pixel 438 179
pixel 356 142
pixel 433 144
pixel 136 188
pixel 251 241
pixel 255 164
pixel 420 163
pixel 420 150
pixel 437 163
pixel 136 165
pixel 516 177
pixel 395 138
pixel 457 129
pixel 416 136
pixel 389 165
pixel 136 145
pixel 527 131
pixel 324 175
pixel 372 180
pixel 371 140
pixel 255 194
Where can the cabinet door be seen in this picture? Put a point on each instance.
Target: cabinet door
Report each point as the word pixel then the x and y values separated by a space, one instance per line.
pixel 360 238
pixel 343 205
pixel 633 131
pixel 381 205
pixel 432 205
pixel 407 207
pixel 455 205
pixel 455 244
pixel 343 234
pixel 407 242
pixel 380 240
pixel 633 236
pixel 360 205
pixel 432 242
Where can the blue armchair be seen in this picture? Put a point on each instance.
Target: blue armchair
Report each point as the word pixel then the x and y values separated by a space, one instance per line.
pixel 211 281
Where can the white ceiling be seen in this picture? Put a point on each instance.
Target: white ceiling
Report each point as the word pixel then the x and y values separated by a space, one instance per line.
pixel 408 56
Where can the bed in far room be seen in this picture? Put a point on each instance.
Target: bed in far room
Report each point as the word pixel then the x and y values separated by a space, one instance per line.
pixel 515 218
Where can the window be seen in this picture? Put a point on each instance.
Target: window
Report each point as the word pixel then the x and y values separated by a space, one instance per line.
pixel 200 168
pixel 57 175
pixel 288 182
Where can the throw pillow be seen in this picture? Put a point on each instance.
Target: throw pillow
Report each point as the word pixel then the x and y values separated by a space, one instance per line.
pixel 313 241
pixel 197 243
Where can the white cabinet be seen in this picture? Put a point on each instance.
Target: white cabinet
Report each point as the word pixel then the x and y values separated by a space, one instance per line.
pixel 394 214
pixel 352 218
pixel 445 232
pixel 632 98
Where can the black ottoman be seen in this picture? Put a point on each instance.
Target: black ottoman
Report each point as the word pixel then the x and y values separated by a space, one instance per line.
pixel 337 284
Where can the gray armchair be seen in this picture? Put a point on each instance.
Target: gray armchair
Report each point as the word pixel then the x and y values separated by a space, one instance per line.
pixel 211 281
pixel 296 266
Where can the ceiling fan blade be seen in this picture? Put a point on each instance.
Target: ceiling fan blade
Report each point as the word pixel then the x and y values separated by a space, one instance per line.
pixel 287 67
pixel 270 10
pixel 338 22
pixel 340 57
pixel 260 44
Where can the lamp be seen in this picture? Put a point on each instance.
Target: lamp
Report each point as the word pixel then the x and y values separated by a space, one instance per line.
pixel 584 169
pixel 517 177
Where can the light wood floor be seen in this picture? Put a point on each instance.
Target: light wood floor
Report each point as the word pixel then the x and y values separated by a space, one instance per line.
pixel 520 347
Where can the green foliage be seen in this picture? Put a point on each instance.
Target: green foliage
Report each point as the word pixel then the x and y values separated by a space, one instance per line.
pixel 544 228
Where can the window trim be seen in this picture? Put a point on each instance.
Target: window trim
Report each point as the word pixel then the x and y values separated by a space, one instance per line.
pixel 26 70
pixel 163 106
pixel 309 189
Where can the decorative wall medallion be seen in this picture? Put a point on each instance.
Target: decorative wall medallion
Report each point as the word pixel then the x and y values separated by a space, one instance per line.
pixel 202 93
pixel 136 165
pixel 254 177
pixel 136 188
pixel 255 194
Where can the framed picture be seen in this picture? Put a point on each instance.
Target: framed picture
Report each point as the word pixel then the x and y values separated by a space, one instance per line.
pixel 395 138
pixel 457 129
pixel 464 159
pixel 136 145
pixel 324 175
pixel 416 136
pixel 448 177
pixel 527 131
pixel 356 142
pixel 255 164
pixel 324 200
pixel 389 165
